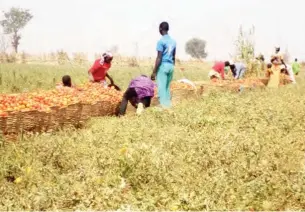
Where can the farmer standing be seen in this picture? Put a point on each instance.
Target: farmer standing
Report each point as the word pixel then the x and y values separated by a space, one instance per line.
pixel 296 67
pixel 277 61
pixel 98 72
pixel 218 70
pixel 139 94
pixel 164 66
pixel 238 70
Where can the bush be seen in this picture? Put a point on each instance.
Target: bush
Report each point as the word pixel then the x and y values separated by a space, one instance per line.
pixel 196 48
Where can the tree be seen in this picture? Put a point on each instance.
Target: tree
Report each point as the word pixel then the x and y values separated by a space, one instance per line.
pixel 196 48
pixel 15 20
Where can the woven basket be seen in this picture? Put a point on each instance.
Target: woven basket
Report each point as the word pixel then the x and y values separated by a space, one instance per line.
pixel 114 108
pixel 117 109
pixel 73 114
pixel 29 120
pixel 96 109
pixel 54 119
pixel 60 116
pixel 108 108
pixel 103 109
pixel 2 124
pixel 45 121
pixel 12 123
pixel 86 112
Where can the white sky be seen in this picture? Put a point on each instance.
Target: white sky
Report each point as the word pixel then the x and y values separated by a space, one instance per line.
pixel 95 25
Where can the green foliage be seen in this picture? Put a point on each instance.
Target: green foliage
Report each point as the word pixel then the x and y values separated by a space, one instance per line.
pixel 222 152
pixel 196 48
pixel 15 20
pixel 245 44
pixel 25 77
pixel 245 52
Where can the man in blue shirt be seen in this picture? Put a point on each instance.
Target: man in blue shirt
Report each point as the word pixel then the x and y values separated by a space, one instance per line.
pixel 164 66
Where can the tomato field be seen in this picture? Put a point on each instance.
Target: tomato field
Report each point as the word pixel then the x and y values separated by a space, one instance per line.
pixel 223 150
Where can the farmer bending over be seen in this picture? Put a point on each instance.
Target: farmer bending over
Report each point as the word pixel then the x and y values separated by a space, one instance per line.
pixel 139 94
pixel 164 66
pixel 98 72
pixel 218 70
pixel 238 70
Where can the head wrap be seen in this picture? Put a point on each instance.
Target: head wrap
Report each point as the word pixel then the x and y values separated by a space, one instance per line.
pixel 104 55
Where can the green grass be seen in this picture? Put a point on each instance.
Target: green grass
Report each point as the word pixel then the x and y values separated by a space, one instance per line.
pixel 15 78
pixel 223 152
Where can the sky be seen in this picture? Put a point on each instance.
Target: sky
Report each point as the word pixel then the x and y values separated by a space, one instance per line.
pixel 93 26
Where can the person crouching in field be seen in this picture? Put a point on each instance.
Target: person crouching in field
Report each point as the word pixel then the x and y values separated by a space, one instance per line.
pixel 66 82
pixel 238 70
pixel 218 70
pixel 139 93
pixel 98 72
pixel 214 76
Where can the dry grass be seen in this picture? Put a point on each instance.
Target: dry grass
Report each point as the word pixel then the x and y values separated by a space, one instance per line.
pixel 223 152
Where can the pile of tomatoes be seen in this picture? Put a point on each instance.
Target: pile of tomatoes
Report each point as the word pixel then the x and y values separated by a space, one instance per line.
pixel 89 93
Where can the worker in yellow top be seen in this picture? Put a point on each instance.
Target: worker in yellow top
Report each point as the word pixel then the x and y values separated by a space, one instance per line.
pixel 277 60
